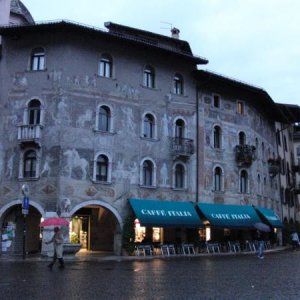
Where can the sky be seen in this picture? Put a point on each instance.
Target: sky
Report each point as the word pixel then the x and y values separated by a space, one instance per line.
pixel 253 41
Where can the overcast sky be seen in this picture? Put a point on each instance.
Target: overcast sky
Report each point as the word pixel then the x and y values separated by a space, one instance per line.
pixel 254 41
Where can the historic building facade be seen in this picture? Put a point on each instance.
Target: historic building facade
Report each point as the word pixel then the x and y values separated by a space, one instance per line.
pixel 91 118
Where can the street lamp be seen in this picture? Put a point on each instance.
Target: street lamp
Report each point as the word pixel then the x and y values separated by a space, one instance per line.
pixel 25 211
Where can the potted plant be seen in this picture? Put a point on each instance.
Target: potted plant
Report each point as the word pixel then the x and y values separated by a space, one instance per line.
pixel 128 236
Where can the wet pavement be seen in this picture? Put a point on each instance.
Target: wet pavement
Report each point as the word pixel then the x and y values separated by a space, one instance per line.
pixel 199 277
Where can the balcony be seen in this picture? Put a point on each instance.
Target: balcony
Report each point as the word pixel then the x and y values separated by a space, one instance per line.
pixel 295 188
pixel 30 135
pixel 245 155
pixel 296 168
pixel 182 148
pixel 274 167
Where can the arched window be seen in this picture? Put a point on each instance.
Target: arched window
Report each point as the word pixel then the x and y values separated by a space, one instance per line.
pixel 104 118
pixel 263 150
pixel 243 182
pixel 147 176
pixel 179 176
pixel 105 66
pixel 148 130
pixel 179 129
pixel 30 163
pixel 258 184
pixel 278 137
pixel 217 137
pixel 242 138
pixel 34 112
pixel 37 60
pixel 102 168
pixel 149 77
pixel 218 179
pixel 285 143
pixel 178 84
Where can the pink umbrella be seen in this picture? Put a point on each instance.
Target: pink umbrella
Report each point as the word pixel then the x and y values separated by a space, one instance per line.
pixel 54 221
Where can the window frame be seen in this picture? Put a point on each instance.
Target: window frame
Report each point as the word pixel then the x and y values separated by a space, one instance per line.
pixel 178 85
pixel 244 182
pixel 34 112
pixel 105 67
pixel 216 98
pixel 242 138
pixel 218 179
pixel 104 118
pixel 102 165
pixel 34 165
pixel 217 137
pixel 240 107
pixel 149 77
pixel 38 59
pixel 179 129
pixel 149 126
pixel 108 168
pixel 179 177
pixel 148 173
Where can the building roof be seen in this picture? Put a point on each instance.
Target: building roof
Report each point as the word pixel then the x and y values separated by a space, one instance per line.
pixel 115 31
pixel 17 7
pixel 290 111
pixel 255 96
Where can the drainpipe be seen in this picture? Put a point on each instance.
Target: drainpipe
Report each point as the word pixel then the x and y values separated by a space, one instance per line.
pixel 197 145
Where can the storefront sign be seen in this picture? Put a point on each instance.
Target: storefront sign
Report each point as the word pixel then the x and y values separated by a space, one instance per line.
pixel 231 216
pixel 166 213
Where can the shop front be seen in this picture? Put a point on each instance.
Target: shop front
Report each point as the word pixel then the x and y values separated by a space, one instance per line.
pixel 268 216
pixel 165 222
pixel 236 224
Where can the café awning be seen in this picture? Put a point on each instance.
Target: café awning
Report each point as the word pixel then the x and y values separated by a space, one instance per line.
pixel 269 215
pixel 229 216
pixel 165 213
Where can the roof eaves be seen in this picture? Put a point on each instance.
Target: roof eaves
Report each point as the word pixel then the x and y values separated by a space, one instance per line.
pixel 58 23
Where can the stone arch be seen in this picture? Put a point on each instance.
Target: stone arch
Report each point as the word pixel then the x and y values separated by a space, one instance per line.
pixel 19 202
pixel 100 203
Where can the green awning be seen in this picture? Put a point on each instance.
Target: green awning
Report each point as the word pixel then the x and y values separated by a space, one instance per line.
pixel 270 216
pixel 165 213
pixel 229 216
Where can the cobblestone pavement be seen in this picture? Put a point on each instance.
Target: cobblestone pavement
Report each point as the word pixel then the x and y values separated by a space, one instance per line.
pixel 208 277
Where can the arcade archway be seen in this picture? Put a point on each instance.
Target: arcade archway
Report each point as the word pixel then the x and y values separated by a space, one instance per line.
pixel 12 228
pixel 96 226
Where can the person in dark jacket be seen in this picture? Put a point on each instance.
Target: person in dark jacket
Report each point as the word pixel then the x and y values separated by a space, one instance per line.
pixel 261 244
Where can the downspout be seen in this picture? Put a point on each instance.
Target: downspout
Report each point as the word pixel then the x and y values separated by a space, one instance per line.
pixel 197 145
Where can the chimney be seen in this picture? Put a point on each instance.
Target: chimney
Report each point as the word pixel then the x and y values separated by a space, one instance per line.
pixel 4 12
pixel 174 32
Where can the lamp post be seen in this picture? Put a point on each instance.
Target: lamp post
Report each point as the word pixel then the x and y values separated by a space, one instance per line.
pixel 25 211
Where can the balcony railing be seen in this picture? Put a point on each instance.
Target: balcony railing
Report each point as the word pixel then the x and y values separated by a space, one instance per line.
pixel 182 147
pixel 30 134
pixel 274 166
pixel 245 155
pixel 296 189
pixel 296 168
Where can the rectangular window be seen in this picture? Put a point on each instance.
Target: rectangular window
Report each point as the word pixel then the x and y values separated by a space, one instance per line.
pixel 105 68
pixel 216 101
pixel 38 62
pixel 240 107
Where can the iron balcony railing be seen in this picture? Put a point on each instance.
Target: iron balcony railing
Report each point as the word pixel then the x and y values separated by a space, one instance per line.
pixel 182 147
pixel 274 166
pixel 245 155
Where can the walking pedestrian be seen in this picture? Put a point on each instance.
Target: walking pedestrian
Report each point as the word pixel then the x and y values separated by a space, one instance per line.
pixel 58 242
pixel 261 244
pixel 295 240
